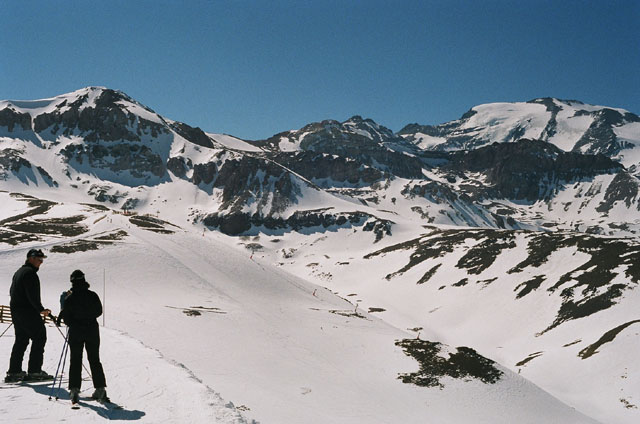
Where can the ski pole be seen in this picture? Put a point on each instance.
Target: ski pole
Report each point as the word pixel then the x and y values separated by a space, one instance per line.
pixel 83 365
pixel 64 347
pixel 64 361
pixel 7 329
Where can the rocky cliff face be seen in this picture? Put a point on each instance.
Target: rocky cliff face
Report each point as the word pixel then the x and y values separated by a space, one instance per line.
pixel 357 139
pixel 624 188
pixel 106 119
pixel 328 170
pixel 528 169
pixel 138 160
pixel 13 120
pixel 601 138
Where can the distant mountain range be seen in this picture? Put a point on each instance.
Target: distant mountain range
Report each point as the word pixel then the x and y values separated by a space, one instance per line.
pixel 546 163
pixel 513 229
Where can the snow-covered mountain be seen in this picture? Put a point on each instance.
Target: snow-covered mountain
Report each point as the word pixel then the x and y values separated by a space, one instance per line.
pixel 569 124
pixel 103 143
pixel 512 231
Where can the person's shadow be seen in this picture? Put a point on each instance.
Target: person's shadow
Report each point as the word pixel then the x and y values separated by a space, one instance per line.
pixel 110 411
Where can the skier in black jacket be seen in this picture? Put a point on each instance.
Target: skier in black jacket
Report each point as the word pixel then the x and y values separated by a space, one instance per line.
pixel 81 307
pixel 27 315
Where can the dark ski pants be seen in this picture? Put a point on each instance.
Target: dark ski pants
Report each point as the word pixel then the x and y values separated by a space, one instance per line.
pixel 28 327
pixel 85 338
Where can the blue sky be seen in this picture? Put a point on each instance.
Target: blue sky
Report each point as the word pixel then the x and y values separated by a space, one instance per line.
pixel 255 68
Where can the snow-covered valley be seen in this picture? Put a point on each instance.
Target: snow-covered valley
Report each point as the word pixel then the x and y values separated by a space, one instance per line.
pixel 198 330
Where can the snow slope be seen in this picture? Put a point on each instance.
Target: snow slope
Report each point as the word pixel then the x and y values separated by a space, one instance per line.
pixel 277 347
pixel 489 309
pixel 148 387
pixel 234 143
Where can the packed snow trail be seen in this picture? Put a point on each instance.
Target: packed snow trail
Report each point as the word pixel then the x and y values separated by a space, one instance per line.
pixel 148 388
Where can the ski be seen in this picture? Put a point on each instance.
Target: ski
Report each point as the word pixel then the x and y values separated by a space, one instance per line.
pixel 110 404
pixel 107 403
pixel 75 406
pixel 14 384
pixel 38 379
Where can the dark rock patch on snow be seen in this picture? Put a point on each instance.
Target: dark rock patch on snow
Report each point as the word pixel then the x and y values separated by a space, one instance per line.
pixel 67 227
pixel 465 364
pixel 528 359
pixel 592 349
pixel 529 285
pixel 150 223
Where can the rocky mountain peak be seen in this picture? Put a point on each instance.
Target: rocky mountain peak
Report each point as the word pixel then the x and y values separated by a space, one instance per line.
pixel 359 120
pixel 101 111
pixel 376 132
pixel 100 115
pixel 105 130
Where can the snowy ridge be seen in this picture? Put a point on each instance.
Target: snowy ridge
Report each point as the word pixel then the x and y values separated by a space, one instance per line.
pixel 86 97
pixel 567 124
pixel 234 143
pixel 356 126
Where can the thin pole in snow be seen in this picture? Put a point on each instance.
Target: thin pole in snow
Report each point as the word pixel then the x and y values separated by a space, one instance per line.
pixel 104 294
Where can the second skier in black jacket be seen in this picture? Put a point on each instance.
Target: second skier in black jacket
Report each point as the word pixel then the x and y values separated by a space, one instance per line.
pixel 80 309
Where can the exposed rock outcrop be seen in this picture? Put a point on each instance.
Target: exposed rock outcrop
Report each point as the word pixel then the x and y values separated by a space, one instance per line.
pixel 14 120
pixel 529 169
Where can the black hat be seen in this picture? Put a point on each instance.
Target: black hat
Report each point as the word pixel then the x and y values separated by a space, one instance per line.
pixel 77 276
pixel 35 253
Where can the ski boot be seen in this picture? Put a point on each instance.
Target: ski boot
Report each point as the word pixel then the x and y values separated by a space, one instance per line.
pixel 14 377
pixel 100 394
pixel 38 376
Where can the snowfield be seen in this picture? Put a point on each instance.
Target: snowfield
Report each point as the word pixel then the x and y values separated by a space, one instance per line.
pixel 158 390
pixel 198 331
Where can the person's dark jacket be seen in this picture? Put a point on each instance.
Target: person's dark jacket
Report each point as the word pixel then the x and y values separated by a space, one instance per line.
pixel 81 307
pixel 25 291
